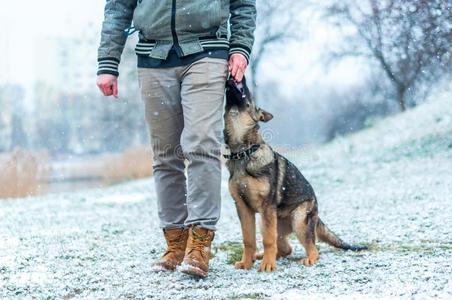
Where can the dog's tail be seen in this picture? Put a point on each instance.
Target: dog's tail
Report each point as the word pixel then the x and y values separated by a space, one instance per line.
pixel 326 235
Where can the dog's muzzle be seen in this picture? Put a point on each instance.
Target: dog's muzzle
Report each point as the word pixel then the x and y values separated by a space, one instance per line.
pixel 235 93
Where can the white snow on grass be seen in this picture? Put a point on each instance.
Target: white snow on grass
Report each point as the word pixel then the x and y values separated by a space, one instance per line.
pixel 122 198
pixel 388 186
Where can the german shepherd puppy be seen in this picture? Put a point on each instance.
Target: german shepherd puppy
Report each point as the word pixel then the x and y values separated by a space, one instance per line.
pixel 263 181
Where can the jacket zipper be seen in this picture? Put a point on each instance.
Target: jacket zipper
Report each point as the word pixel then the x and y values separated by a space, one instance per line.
pixel 173 29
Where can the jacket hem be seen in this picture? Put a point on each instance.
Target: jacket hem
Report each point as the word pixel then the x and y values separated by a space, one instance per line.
pixel 145 47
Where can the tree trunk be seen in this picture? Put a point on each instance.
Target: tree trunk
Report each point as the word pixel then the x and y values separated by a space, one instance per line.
pixel 253 73
pixel 401 97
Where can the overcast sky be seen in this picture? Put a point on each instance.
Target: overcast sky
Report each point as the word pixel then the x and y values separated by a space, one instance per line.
pixel 49 17
pixel 21 22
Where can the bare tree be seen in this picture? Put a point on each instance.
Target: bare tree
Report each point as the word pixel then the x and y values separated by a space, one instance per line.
pixel 277 23
pixel 15 94
pixel 409 39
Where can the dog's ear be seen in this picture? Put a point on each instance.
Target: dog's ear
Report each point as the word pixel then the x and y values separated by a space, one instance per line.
pixel 265 116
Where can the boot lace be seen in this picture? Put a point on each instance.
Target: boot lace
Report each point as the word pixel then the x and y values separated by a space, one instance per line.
pixel 200 243
pixel 174 244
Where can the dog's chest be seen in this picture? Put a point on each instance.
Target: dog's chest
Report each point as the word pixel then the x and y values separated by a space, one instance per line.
pixel 253 191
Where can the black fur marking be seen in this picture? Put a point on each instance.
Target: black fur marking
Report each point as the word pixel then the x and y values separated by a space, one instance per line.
pixel 355 247
pixel 296 189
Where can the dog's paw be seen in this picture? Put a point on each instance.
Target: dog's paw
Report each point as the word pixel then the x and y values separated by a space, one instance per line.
pixel 258 255
pixel 267 265
pixel 309 261
pixel 243 265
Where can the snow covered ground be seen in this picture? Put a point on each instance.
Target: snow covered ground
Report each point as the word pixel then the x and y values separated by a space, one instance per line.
pixel 388 186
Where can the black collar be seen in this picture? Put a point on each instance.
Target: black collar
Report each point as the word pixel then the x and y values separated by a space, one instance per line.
pixel 242 154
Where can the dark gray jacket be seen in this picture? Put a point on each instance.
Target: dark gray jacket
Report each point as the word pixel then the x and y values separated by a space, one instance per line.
pixel 191 26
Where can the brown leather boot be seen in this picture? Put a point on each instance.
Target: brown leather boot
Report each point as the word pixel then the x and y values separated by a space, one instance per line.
pixel 197 254
pixel 176 241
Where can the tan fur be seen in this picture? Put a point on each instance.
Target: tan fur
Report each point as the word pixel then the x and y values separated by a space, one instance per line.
pixel 279 183
pixel 248 223
pixel 301 224
pixel 264 156
pixel 236 125
pixel 284 229
pixel 283 245
pixel 252 189
pixel 269 235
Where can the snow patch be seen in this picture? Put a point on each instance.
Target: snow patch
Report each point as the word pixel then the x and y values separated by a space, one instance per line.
pixel 122 198
pixel 388 186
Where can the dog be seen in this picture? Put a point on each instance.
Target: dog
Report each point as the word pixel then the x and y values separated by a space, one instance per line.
pixel 263 181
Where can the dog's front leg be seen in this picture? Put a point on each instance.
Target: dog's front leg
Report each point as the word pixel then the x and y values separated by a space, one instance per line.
pixel 269 236
pixel 248 223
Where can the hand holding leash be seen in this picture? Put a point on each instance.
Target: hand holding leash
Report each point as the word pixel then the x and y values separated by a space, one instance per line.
pixel 237 66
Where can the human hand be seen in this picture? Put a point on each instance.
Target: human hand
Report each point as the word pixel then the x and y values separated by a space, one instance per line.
pixel 237 66
pixel 108 84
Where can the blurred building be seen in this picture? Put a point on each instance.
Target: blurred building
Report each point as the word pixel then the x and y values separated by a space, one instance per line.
pixel 66 64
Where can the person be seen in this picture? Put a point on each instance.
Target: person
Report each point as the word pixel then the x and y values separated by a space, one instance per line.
pixel 185 51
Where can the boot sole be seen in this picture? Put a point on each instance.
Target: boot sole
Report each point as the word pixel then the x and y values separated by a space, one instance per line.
pixel 194 271
pixel 158 269
pixel 162 268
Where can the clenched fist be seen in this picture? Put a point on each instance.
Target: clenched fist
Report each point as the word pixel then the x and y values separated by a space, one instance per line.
pixel 237 66
pixel 108 84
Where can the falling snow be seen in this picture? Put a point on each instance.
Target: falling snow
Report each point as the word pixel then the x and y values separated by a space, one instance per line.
pixel 388 186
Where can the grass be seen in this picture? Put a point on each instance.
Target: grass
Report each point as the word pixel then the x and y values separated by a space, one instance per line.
pixel 249 296
pixel 234 251
pixel 426 146
pixel 133 163
pixel 20 173
pixel 24 173
pixel 424 246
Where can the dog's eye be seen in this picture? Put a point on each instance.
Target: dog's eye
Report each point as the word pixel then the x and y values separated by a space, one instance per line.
pixel 247 104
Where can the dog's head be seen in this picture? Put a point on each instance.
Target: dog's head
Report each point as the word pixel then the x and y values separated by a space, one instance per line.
pixel 239 101
pixel 242 115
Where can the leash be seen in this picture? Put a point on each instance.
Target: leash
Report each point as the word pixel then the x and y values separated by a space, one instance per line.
pixel 238 86
pixel 242 154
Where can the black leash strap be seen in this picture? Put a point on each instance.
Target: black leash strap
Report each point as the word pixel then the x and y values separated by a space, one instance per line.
pixel 239 86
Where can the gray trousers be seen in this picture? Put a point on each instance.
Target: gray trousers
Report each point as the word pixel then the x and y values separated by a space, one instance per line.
pixel 184 112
